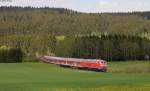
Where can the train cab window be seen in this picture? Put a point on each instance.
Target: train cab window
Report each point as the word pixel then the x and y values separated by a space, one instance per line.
pixel 99 62
pixel 102 62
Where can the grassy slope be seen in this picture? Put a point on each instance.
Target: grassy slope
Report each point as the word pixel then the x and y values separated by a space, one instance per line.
pixel 45 77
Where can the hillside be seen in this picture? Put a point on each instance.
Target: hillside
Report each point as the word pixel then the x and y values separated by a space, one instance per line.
pixel 57 21
pixel 68 33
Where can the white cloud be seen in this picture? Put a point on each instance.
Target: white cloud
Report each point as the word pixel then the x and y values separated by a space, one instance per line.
pixel 107 4
pixel 35 3
pixel 60 1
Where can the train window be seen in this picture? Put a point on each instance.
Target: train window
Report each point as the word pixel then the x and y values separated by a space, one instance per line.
pixel 99 62
pixel 102 62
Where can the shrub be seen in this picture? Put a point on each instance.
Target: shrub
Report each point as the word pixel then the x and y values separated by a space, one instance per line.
pixel 10 55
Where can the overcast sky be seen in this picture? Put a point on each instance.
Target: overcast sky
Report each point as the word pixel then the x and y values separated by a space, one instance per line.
pixel 85 5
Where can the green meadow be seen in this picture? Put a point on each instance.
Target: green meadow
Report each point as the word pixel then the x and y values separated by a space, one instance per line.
pixel 121 76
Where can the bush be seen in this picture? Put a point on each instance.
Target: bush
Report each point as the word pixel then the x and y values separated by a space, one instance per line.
pixel 30 59
pixel 10 55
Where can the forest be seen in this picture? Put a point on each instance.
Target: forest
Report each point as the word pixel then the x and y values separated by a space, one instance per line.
pixel 34 32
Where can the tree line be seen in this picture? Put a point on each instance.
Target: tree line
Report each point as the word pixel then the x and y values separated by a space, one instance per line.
pixel 112 47
pixel 108 47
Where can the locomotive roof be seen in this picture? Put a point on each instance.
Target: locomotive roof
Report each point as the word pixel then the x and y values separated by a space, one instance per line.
pixel 75 59
pixel 83 59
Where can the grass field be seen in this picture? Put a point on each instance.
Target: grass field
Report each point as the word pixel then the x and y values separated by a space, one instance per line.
pixel 121 76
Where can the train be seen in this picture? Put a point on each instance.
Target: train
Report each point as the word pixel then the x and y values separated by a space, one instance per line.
pixel 85 64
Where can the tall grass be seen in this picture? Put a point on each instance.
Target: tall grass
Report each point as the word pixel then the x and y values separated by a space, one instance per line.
pixel 105 88
pixel 129 67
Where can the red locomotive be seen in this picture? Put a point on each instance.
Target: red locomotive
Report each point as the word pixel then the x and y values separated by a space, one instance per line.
pixel 89 64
